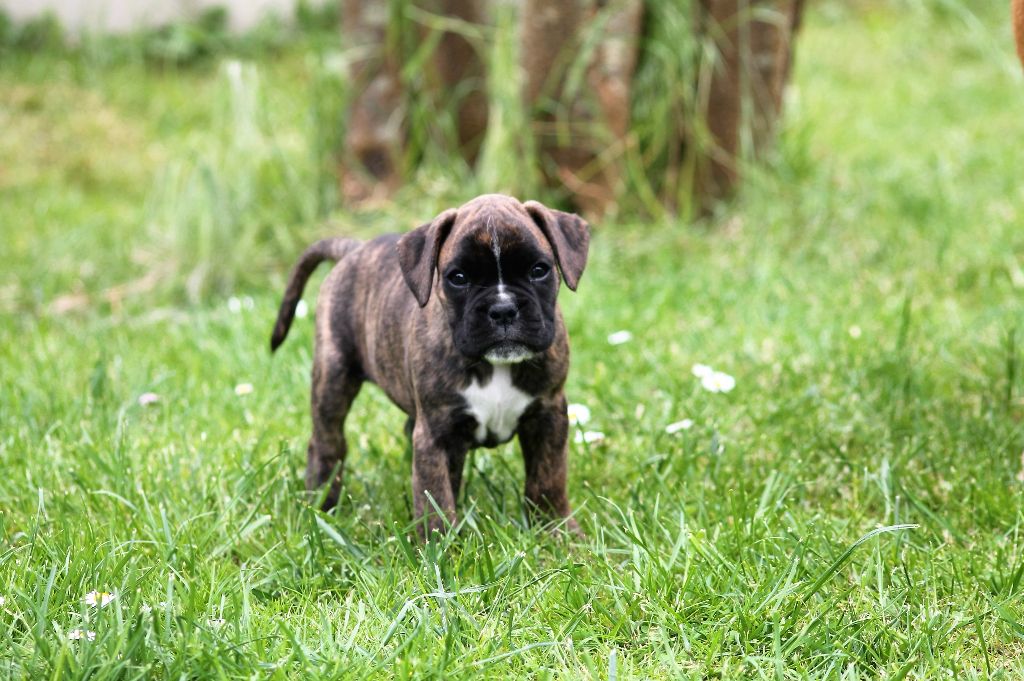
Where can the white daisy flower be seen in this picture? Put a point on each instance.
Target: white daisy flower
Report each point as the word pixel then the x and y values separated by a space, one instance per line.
pixel 674 428
pixel 301 310
pixel 100 598
pixel 620 337
pixel 243 389
pixel 145 609
pixel 579 414
pixel 718 382
pixel 234 304
pixel 79 634
pixel 589 437
pixel 146 399
pixel 701 370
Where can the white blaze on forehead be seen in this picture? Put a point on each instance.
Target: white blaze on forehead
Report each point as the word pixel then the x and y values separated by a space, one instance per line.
pixel 496 405
pixel 495 246
pixel 503 295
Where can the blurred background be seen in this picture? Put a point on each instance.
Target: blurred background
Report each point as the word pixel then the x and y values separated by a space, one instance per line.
pixel 597 100
pixel 209 138
pixel 201 141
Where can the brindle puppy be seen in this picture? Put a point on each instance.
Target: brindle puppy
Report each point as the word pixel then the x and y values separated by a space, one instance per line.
pixel 458 322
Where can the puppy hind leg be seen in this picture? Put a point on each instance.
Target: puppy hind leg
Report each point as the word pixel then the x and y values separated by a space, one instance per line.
pixel 335 386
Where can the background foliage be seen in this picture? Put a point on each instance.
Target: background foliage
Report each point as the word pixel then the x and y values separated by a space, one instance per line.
pixel 864 291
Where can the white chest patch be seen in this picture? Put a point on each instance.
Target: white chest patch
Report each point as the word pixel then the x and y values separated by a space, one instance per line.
pixel 496 405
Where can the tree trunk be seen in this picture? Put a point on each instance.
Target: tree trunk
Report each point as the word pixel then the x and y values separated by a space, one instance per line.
pixel 458 74
pixel 374 136
pixel 578 58
pixel 754 45
pixel 580 128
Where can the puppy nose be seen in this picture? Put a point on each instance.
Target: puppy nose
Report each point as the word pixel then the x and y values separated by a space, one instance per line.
pixel 503 313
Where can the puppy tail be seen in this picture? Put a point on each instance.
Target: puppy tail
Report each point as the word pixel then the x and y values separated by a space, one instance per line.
pixel 326 249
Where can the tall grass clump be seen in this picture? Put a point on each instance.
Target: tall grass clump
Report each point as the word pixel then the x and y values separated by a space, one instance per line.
pixel 508 161
pixel 430 120
pixel 432 159
pixel 219 212
pixel 669 138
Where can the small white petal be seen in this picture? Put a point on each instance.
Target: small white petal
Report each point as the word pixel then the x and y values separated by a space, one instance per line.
pixel 620 337
pixel 579 414
pixel 215 622
pixel 148 398
pixel 234 304
pixel 145 608
pixel 718 382
pixel 100 598
pixel 589 437
pixel 673 428
pixel 855 332
pixel 701 370
pixel 79 634
pixel 2 600
pixel 301 310
pixel 243 389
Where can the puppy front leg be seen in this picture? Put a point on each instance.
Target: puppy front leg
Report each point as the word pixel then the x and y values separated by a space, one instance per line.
pixel 543 437
pixel 431 480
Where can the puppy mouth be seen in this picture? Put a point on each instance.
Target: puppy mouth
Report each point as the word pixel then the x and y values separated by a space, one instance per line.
pixel 508 352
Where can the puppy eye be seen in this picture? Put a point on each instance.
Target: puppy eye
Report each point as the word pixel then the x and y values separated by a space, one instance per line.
pixel 539 271
pixel 457 278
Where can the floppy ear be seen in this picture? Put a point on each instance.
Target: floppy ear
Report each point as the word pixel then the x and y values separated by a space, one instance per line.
pixel 418 251
pixel 569 236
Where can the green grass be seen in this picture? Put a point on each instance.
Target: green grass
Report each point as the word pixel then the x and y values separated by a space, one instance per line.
pixel 865 292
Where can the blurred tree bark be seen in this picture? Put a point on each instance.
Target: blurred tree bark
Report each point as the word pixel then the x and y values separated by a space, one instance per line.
pixel 578 59
pixel 581 127
pixel 371 162
pixel 457 73
pixel 374 134
pixel 754 41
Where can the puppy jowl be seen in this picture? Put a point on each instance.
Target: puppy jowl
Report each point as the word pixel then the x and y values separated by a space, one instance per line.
pixel 458 322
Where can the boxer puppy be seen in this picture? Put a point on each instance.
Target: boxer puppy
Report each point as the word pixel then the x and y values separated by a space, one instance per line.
pixel 457 321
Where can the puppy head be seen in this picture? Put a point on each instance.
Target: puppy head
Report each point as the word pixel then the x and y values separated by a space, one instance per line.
pixel 494 266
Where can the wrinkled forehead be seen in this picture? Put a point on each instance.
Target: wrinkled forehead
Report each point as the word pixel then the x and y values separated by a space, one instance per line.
pixel 494 232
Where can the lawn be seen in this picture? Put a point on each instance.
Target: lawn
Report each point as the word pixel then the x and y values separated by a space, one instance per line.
pixel 852 509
